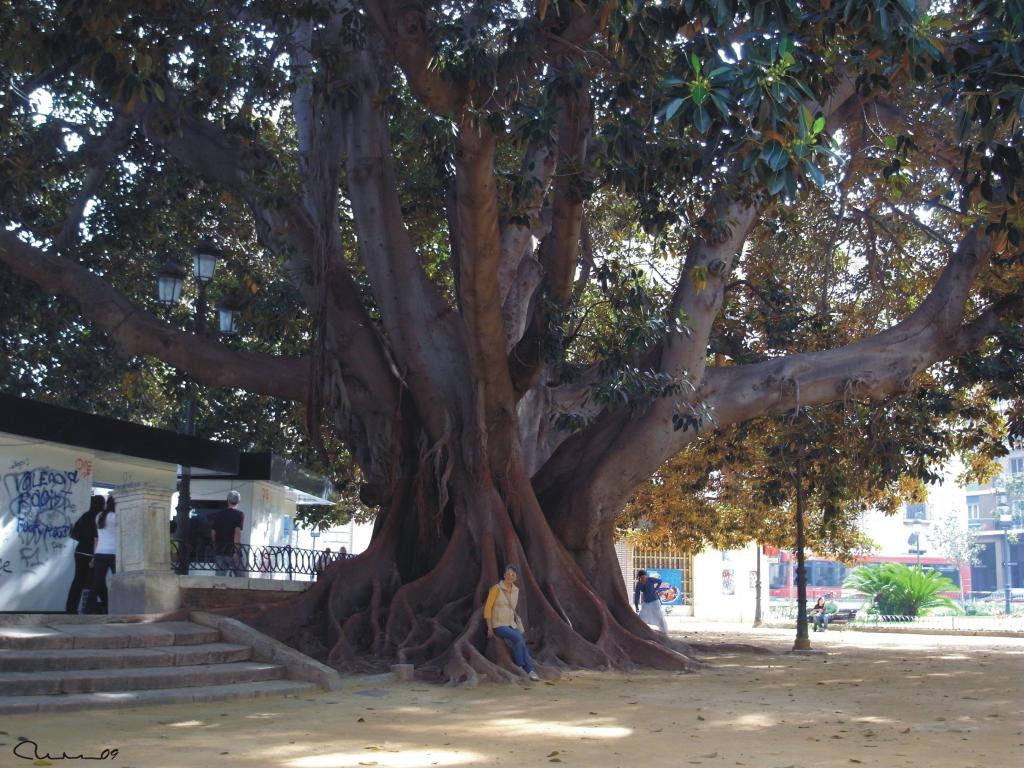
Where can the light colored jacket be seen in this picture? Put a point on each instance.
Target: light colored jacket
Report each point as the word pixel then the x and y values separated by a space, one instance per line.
pixel 500 607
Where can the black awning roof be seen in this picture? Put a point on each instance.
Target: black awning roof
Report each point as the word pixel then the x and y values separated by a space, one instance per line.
pixel 53 423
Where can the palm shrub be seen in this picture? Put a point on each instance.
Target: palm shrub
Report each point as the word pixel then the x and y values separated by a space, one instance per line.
pixel 901 590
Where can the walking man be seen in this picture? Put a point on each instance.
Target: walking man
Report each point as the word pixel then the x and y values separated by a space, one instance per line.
pixel 650 611
pixel 226 535
pixel 325 559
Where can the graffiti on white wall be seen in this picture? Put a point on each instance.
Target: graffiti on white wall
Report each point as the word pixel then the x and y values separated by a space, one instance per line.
pixel 39 503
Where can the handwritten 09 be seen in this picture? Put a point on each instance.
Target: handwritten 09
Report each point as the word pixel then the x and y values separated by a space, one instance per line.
pixel 21 750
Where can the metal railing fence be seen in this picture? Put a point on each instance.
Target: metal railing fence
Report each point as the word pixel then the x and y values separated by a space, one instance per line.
pixel 258 561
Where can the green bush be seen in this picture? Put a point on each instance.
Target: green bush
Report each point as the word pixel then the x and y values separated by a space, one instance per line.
pixel 899 590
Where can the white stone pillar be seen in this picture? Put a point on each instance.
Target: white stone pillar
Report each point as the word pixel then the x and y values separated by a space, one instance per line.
pixel 144 582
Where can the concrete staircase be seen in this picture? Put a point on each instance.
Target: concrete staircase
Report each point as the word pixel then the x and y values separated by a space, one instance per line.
pixel 85 666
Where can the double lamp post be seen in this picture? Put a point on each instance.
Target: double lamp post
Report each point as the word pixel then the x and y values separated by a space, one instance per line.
pixel 170 282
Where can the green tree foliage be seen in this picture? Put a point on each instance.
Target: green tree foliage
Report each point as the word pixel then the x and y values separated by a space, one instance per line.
pixel 741 487
pixel 896 589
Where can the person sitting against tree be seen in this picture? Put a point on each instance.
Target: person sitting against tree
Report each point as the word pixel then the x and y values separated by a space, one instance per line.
pixel 503 621
pixel 820 615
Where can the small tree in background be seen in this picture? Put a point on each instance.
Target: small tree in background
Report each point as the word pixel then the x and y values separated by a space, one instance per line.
pixel 955 542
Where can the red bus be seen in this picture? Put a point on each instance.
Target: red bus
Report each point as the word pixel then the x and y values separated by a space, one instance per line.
pixel 825 577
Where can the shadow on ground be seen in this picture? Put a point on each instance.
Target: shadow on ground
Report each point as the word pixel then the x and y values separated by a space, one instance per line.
pixel 869 700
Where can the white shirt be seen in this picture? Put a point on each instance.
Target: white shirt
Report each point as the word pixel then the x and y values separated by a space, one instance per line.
pixel 107 544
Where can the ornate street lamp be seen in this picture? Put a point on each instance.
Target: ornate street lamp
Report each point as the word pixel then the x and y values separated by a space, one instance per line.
pixel 204 261
pixel 227 317
pixel 169 281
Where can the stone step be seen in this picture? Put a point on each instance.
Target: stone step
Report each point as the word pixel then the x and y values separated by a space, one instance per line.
pixel 122 680
pixel 67 636
pixel 17 705
pixel 121 658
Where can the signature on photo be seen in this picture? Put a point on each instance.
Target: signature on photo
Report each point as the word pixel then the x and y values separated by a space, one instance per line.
pixel 23 751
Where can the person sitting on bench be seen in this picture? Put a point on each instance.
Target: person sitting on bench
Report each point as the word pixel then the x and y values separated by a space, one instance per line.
pixel 820 616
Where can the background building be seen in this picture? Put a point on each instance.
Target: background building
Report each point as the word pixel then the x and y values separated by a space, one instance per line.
pixel 995 512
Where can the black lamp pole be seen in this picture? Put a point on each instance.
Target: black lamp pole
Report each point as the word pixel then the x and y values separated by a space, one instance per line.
pixel 169 285
pixel 1005 522
pixel 184 510
pixel 803 640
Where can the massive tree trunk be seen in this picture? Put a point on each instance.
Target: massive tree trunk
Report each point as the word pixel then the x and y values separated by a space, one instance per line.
pixel 416 595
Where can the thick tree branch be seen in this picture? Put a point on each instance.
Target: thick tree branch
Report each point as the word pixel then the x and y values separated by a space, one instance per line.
pixel 136 331
pixel 698 298
pixel 709 261
pixel 284 226
pixel 480 249
pixel 971 335
pixel 403 25
pixel 876 367
pixel 106 148
pixel 424 333
pixel 536 171
pixel 559 250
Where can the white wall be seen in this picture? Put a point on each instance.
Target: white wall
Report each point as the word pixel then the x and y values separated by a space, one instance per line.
pixel 710 601
pixel 890 533
pixel 354 537
pixel 44 488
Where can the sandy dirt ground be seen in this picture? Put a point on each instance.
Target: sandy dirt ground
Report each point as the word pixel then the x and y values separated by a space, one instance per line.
pixel 867 699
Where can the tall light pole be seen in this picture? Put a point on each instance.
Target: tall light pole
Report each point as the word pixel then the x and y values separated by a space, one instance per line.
pixel 170 281
pixel 757 587
pixel 1004 521
pixel 915 542
pixel 803 640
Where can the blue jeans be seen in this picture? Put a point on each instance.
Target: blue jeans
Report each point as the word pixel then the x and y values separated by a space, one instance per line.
pixel 226 565
pixel 520 654
pixel 820 620
pixel 98 595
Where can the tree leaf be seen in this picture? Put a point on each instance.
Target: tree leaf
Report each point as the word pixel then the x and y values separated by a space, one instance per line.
pixel 815 173
pixel 672 107
pixel 701 118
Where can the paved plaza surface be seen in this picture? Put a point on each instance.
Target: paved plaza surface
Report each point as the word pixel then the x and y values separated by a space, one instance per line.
pixel 869 699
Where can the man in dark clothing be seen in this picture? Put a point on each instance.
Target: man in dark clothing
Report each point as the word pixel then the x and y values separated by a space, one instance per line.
pixel 325 559
pixel 650 612
pixel 85 533
pixel 226 535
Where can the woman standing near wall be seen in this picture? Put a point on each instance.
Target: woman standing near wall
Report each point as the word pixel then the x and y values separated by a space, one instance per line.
pixel 104 558
pixel 85 533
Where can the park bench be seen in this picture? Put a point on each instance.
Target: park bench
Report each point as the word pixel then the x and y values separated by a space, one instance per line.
pixel 842 616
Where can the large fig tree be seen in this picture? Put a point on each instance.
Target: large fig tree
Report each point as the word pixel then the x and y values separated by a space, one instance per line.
pixel 431 191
